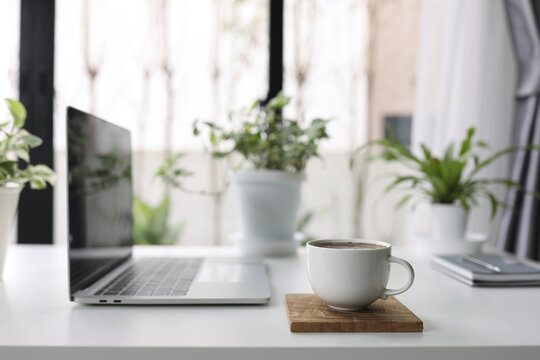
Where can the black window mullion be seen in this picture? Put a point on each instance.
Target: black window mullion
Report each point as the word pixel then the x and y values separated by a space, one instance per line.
pixel 36 58
pixel 275 57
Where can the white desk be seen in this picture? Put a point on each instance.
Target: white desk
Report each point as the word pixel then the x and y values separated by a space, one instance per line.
pixel 38 322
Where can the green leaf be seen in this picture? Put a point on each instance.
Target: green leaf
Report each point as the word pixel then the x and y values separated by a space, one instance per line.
pixel 211 125
pixel 427 153
pixel 39 176
pixel 15 146
pixel 403 201
pixel 463 201
pixel 213 138
pixel 160 214
pixel 9 167
pixel 482 144
pixel 466 144
pixel 22 154
pixel 255 105
pixel 500 154
pixel 38 183
pixel 278 102
pixel 151 223
pixel 439 186
pixel 494 203
pixel 32 141
pixel 394 145
pixel 18 112
pixel 453 171
pixel 476 160
pixel 220 155
pixel 449 153
pixel 195 127
pixel 141 211
pixel 304 221
pixel 402 179
pixel 170 172
pixel 506 182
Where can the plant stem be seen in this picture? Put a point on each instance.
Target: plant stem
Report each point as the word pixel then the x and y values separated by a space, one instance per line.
pixel 214 194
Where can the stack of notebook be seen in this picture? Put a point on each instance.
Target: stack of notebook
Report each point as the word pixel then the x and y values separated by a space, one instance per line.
pixel 489 270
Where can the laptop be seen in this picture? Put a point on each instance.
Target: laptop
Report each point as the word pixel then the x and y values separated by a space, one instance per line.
pixel 102 269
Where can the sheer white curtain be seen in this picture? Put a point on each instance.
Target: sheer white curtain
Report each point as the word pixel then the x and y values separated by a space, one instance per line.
pixel 466 76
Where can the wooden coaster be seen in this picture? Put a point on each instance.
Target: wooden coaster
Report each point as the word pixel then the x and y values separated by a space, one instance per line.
pixel 308 313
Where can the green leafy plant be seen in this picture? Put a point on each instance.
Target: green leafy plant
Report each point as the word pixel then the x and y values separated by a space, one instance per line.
pixel 150 223
pixel 453 178
pixel 15 145
pixel 266 138
pixel 173 174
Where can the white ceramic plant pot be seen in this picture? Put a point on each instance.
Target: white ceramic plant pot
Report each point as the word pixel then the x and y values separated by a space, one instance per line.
pixel 268 203
pixel 9 199
pixel 449 222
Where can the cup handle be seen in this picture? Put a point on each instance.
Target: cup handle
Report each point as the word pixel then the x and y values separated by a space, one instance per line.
pixel 406 265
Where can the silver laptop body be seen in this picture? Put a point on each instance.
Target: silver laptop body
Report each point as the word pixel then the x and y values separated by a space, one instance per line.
pixel 102 269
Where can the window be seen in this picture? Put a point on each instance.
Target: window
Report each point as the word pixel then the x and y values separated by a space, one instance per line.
pixel 9 43
pixel 154 67
pixel 324 56
pixel 324 61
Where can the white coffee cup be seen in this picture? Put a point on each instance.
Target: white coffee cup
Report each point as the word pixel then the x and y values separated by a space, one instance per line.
pixel 352 277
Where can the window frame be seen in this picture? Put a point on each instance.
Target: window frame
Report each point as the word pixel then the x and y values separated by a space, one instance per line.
pixel 36 92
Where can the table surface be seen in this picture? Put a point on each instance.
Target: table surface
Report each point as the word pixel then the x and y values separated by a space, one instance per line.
pixel 36 317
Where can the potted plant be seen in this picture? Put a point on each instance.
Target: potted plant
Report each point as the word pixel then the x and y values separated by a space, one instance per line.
pixel 452 183
pixel 275 150
pixel 15 144
pixel 150 226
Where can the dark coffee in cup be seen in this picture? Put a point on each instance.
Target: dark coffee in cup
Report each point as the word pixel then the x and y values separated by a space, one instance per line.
pixel 348 245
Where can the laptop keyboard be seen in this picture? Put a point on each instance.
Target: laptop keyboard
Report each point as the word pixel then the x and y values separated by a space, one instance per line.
pixel 154 277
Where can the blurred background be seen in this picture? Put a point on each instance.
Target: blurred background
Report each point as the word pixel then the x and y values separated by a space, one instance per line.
pixel 154 66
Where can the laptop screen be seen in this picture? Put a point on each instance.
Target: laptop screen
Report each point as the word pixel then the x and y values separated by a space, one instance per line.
pixel 99 197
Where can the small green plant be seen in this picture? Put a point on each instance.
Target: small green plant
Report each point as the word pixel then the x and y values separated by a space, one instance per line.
pixel 452 178
pixel 150 223
pixel 15 145
pixel 265 138
pixel 172 174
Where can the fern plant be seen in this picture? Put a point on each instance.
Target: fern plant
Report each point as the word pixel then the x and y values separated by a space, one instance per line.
pixel 453 178
pixel 15 145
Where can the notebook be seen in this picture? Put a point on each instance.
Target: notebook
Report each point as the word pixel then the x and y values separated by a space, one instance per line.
pixel 513 271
